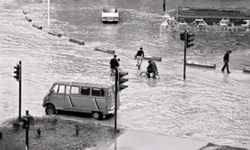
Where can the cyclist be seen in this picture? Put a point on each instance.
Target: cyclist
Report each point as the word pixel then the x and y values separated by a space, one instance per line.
pixel 139 57
pixel 152 68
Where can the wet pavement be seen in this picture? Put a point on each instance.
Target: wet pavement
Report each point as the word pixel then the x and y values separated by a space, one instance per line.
pixel 209 105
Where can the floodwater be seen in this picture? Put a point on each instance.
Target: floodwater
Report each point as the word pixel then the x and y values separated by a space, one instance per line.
pixel 209 105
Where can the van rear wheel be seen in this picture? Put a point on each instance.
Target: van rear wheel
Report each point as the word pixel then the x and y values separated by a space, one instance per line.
pixel 50 109
pixel 97 115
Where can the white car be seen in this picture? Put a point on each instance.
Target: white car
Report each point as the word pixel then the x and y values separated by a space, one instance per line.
pixel 224 22
pixel 110 14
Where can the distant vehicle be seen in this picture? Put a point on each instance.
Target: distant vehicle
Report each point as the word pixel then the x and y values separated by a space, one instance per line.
pixel 182 25
pixel 247 23
pixel 97 99
pixel 168 22
pixel 200 22
pixel 110 14
pixel 224 22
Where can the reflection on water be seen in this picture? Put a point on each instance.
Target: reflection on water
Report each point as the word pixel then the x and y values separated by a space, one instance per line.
pixel 209 105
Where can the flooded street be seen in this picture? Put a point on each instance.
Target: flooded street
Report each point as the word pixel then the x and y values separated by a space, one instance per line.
pixel 209 105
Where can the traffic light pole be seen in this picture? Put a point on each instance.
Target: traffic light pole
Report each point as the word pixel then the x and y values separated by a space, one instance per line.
pixel 164 5
pixel 20 90
pixel 26 125
pixel 116 93
pixel 187 37
pixel 27 139
pixel 185 53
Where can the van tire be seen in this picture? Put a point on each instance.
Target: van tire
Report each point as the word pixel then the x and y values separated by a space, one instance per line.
pixel 97 115
pixel 50 109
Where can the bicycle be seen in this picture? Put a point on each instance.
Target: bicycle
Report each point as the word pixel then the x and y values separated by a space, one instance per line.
pixel 139 61
pixel 112 72
pixel 145 73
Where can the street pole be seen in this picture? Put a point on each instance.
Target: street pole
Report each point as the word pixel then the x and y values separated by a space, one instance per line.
pixel 49 13
pixel 27 139
pixel 185 51
pixel 27 126
pixel 164 5
pixel 20 91
pixel 116 91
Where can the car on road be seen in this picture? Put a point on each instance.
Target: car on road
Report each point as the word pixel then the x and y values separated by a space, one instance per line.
pixel 97 99
pixel 110 14
pixel 224 22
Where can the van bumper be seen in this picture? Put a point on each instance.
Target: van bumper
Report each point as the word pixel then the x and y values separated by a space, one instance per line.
pixel 106 19
pixel 111 110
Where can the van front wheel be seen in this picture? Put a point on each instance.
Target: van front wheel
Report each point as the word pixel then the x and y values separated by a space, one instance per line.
pixel 97 115
pixel 50 109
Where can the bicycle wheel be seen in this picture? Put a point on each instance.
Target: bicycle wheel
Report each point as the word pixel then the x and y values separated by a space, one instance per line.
pixel 143 73
pixel 157 76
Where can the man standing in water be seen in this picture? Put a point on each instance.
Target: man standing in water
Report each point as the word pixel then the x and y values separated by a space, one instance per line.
pixel 226 61
pixel 114 64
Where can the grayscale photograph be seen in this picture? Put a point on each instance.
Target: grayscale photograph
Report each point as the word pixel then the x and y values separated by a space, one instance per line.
pixel 124 74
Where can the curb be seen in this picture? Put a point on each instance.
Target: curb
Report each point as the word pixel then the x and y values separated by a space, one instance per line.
pixel 153 58
pixel 197 64
pixel 105 51
pixel 28 19
pixel 37 26
pixel 51 32
pixel 24 12
pixel 76 41
pixel 55 34
pixel 246 70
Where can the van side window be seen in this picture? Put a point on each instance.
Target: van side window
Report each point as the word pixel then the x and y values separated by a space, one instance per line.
pixel 109 93
pixel 61 89
pixel 98 92
pixel 74 90
pixel 55 88
pixel 85 91
pixel 67 89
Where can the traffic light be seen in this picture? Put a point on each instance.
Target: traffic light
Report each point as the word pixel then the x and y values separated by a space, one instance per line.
pixel 182 36
pixel 17 72
pixel 190 39
pixel 122 80
pixel 26 123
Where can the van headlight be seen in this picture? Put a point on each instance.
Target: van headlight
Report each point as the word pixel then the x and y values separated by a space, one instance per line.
pixel 111 108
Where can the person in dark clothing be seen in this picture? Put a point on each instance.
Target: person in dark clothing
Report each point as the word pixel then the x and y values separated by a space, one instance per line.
pixel 226 61
pixel 140 52
pixel 114 64
pixel 139 56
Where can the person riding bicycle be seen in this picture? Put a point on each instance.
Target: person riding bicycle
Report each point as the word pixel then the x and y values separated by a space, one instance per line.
pixel 152 68
pixel 139 56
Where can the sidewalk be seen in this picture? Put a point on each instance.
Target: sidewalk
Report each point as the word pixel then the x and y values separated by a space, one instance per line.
pixel 139 140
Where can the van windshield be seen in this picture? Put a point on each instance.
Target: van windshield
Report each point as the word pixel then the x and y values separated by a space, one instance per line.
pixel 110 10
pixel 55 88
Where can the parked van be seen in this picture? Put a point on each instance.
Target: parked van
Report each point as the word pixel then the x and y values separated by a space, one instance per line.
pixel 97 99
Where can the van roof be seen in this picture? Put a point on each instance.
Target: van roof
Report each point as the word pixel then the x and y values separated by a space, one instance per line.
pixel 101 85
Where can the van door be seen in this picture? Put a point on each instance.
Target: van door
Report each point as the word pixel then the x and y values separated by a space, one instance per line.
pixel 57 96
pixel 77 101
pixel 86 100
pixel 68 102
pixel 73 99
pixel 98 99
